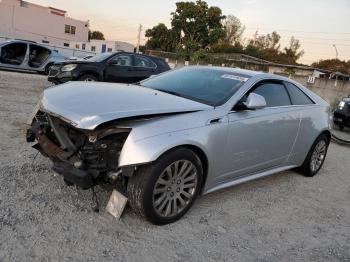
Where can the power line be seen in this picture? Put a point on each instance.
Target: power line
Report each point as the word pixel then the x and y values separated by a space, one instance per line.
pixel 300 31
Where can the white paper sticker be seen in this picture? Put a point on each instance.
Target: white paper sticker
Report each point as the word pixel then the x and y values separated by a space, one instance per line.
pixel 116 204
pixel 234 77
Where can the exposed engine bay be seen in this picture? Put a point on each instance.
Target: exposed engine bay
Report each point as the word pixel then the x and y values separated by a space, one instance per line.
pixel 84 158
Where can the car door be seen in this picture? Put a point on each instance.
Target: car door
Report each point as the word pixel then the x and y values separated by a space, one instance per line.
pixel 144 67
pixel 14 55
pixel 38 55
pixel 260 139
pixel 120 69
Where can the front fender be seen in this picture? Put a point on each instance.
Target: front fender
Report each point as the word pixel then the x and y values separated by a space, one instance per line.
pixel 149 149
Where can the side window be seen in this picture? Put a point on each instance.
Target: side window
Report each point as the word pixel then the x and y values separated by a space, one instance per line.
pixel 144 62
pixel 13 53
pixel 122 60
pixel 297 96
pixel 275 94
pixel 38 55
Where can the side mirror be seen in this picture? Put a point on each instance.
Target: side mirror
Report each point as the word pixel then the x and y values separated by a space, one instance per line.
pixel 255 101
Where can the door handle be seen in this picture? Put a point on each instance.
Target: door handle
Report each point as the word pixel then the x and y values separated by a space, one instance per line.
pixel 217 120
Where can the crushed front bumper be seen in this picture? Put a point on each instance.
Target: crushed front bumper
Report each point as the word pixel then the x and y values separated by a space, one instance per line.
pixel 74 175
pixel 63 162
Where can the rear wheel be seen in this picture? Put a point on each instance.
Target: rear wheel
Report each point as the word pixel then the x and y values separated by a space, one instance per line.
pixel 316 156
pixel 165 190
pixel 88 78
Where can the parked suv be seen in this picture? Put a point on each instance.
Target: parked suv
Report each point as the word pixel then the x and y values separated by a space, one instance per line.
pixel 341 117
pixel 119 67
pixel 24 55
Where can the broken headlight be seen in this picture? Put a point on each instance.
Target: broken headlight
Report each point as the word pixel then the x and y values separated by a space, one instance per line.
pixel 68 68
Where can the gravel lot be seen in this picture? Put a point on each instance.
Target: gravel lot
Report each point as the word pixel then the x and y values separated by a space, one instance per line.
pixel 285 217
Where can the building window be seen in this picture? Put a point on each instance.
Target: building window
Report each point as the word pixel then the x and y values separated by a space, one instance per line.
pixel 69 29
pixel 45 42
pixel 93 48
pixel 72 30
pixel 66 44
pixel 77 46
pixel 109 50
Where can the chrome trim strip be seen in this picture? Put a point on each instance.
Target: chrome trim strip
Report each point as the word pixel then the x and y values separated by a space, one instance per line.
pixel 248 178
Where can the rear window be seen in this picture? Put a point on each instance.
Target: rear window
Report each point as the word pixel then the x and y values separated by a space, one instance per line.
pixel 297 96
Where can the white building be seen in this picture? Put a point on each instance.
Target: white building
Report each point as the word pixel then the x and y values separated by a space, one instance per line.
pixel 48 25
pixel 102 46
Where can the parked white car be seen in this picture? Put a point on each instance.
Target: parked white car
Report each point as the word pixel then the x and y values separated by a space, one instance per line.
pixel 21 55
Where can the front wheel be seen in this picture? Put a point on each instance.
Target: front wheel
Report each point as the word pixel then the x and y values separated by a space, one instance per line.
pixel 316 156
pixel 165 190
pixel 88 78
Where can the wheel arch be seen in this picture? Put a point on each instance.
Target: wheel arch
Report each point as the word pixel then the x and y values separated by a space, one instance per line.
pixel 90 72
pixel 201 155
pixel 327 133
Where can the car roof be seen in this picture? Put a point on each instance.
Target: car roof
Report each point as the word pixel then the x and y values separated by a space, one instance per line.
pixel 236 70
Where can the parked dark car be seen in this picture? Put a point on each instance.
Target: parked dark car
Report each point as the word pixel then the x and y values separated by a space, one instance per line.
pixel 341 116
pixel 121 67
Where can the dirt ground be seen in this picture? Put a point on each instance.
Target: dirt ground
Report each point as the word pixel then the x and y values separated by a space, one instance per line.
pixel 285 217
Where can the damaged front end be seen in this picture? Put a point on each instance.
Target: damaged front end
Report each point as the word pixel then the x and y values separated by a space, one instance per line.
pixel 83 157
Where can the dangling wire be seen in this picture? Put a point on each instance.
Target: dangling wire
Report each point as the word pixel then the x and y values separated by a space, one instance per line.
pixel 32 164
pixel 95 199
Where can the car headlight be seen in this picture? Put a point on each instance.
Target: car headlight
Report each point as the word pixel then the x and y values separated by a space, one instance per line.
pixel 68 68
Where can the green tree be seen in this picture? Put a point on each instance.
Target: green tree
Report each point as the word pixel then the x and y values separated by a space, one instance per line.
pixel 293 52
pixel 268 47
pixel 197 25
pixel 194 26
pixel 234 30
pixel 160 38
pixel 333 65
pixel 96 35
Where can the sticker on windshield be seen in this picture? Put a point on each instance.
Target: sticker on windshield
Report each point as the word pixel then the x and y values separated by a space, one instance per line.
pixel 234 77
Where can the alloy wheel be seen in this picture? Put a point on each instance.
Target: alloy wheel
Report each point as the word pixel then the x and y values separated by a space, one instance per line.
pixel 318 155
pixel 89 80
pixel 175 188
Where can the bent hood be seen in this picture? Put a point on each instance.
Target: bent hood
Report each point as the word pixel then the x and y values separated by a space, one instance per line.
pixel 89 104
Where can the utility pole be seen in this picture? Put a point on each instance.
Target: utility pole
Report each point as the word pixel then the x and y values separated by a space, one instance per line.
pixel 336 51
pixel 138 39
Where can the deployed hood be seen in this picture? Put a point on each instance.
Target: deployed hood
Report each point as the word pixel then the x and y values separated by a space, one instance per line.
pixel 87 105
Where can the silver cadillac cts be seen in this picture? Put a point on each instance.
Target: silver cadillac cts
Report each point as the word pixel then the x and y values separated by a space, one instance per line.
pixel 180 134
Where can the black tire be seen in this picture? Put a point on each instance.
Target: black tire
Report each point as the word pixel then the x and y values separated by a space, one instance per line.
pixel 142 184
pixel 306 168
pixel 88 78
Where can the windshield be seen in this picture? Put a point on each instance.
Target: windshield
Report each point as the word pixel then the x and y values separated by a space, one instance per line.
pixel 99 57
pixel 212 86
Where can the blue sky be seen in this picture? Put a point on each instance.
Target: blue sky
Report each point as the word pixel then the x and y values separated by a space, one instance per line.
pixel 318 24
